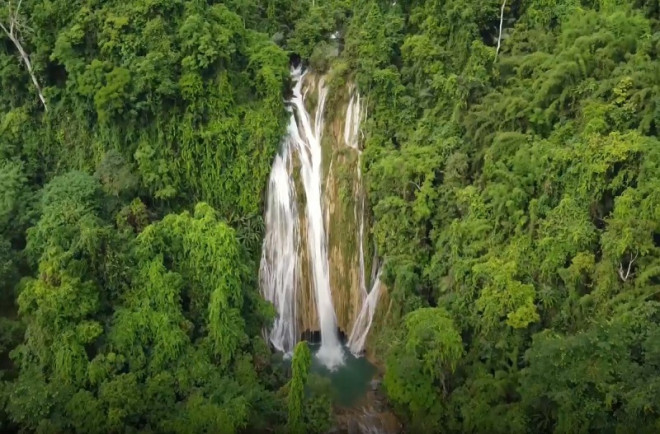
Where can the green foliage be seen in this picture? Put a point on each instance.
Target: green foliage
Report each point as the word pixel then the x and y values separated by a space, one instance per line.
pixel 71 234
pixel 578 381
pixel 517 196
pixel 308 396
pixel 10 334
pixel 12 184
pixel 421 360
pixel 182 91
pixel 59 309
pixel 318 408
pixel 173 350
pixel 314 30
pixel 115 174
pixel 207 255
pixel 515 202
pixel 158 327
pixel 301 363
pixel 138 317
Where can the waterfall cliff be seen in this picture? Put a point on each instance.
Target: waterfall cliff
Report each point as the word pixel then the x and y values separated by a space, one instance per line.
pixel 313 266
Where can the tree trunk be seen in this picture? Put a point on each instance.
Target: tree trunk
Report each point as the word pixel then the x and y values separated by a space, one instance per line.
pixel 11 33
pixel 499 37
pixel 28 64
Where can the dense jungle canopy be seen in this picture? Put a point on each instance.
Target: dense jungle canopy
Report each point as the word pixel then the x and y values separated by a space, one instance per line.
pixel 512 165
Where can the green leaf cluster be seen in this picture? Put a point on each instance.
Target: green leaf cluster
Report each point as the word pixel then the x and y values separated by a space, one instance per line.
pixel 514 201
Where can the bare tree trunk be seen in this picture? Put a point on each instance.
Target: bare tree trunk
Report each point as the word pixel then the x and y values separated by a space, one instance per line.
pixel 13 36
pixel 499 37
pixel 624 275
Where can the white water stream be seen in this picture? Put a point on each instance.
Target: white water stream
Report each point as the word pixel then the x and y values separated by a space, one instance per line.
pixel 304 138
pixel 362 324
pixel 352 140
pixel 279 269
pixel 280 262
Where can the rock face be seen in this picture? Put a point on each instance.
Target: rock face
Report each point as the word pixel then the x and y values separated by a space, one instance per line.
pixel 373 351
pixel 343 202
pixel 308 319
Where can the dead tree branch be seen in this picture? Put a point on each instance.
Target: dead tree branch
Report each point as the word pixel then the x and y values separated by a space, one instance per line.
pixel 499 37
pixel 624 275
pixel 13 34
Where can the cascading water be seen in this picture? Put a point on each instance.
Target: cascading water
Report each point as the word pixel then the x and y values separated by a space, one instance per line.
pixel 303 214
pixel 305 138
pixel 363 322
pixel 352 140
pixel 279 261
pixel 280 271
pixel 308 140
pixel 352 124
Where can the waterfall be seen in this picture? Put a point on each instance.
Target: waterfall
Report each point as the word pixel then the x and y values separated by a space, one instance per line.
pixel 363 322
pixel 352 122
pixel 360 235
pixel 279 287
pixel 308 141
pixel 279 261
pixel 285 244
pixel 352 140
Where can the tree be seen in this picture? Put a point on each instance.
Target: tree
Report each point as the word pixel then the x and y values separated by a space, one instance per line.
pixel 423 358
pixel 13 25
pixel 59 311
pixel 207 254
pixel 300 366
pixel 597 379
pixel 13 186
pixel 515 204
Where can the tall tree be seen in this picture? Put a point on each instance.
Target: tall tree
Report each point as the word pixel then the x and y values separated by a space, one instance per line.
pixel 301 364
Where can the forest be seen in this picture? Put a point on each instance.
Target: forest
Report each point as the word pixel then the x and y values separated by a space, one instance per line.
pixel 512 168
